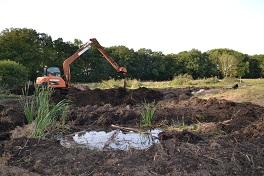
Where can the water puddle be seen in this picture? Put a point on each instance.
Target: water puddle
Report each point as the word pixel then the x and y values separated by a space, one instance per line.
pixel 112 140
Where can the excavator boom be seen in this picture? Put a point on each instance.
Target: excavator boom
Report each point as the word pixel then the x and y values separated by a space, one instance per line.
pixel 81 50
pixel 71 59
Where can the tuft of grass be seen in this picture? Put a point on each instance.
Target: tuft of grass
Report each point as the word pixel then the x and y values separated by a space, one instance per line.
pixel 180 126
pixel 40 110
pixel 147 114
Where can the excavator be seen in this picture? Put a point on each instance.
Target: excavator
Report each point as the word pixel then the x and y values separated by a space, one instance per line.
pixel 52 77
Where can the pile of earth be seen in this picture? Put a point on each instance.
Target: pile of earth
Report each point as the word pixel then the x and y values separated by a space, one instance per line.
pixel 227 140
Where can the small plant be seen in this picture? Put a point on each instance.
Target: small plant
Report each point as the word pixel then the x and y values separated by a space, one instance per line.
pixel 200 117
pixel 147 114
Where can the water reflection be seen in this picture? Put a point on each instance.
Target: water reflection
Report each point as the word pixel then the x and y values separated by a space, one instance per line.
pixel 115 139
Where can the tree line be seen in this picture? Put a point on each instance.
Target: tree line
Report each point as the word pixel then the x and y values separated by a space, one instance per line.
pixel 35 50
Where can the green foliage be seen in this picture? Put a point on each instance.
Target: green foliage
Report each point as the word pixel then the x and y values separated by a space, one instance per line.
pixel 147 114
pixel 12 74
pixel 24 46
pixel 228 65
pixel 181 80
pixel 40 111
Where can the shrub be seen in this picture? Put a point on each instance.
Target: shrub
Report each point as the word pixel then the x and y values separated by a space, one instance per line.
pixel 12 73
pixel 182 80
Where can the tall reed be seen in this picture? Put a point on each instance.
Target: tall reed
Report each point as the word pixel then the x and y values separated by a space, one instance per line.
pixel 40 110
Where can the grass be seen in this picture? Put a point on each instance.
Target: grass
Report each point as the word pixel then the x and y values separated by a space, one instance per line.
pixel 244 93
pixel 115 83
pixel 39 110
pixel 147 114
pixel 180 126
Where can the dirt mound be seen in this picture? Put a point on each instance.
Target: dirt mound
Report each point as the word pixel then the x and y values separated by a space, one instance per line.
pixel 114 97
pixel 183 136
pixel 11 115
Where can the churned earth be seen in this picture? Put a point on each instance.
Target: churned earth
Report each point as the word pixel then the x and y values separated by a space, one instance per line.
pixel 198 136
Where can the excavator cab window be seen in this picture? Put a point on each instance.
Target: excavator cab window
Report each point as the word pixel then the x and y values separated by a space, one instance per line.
pixel 54 71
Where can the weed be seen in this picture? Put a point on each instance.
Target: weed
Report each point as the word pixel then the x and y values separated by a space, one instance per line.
pixel 200 117
pixel 147 114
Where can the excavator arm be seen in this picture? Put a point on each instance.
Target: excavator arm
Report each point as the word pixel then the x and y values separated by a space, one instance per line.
pixel 95 43
pixel 81 50
pixel 71 59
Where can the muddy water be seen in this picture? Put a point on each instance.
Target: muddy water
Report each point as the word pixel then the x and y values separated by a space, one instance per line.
pixel 112 140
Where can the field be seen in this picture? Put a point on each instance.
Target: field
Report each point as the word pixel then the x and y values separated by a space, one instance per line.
pixel 202 131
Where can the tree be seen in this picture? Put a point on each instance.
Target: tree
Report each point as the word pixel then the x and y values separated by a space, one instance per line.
pixel 193 63
pixel 228 65
pixel 238 62
pixel 25 46
pixel 257 65
pixel 12 73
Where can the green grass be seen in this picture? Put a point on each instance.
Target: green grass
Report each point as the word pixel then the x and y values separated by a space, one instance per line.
pixel 147 114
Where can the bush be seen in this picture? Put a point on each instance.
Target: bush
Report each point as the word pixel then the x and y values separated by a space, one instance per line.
pixel 181 80
pixel 12 73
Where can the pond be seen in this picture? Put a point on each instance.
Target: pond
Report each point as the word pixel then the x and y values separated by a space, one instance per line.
pixel 112 140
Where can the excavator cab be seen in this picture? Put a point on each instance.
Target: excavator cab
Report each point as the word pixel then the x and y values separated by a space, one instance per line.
pixel 51 77
pixel 54 71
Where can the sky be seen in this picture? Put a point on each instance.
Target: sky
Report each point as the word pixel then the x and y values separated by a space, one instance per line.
pixel 167 26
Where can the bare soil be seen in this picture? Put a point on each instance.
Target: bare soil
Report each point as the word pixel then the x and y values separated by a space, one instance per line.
pixel 229 140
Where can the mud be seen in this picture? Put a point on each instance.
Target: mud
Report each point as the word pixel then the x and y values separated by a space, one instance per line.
pixel 220 137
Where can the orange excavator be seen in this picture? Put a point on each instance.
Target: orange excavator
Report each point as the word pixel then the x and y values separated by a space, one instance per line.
pixel 52 76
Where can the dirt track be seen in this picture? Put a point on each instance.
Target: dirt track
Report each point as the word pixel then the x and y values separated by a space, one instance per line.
pixel 229 140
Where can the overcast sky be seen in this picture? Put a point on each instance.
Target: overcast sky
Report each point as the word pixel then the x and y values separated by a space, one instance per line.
pixel 169 26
